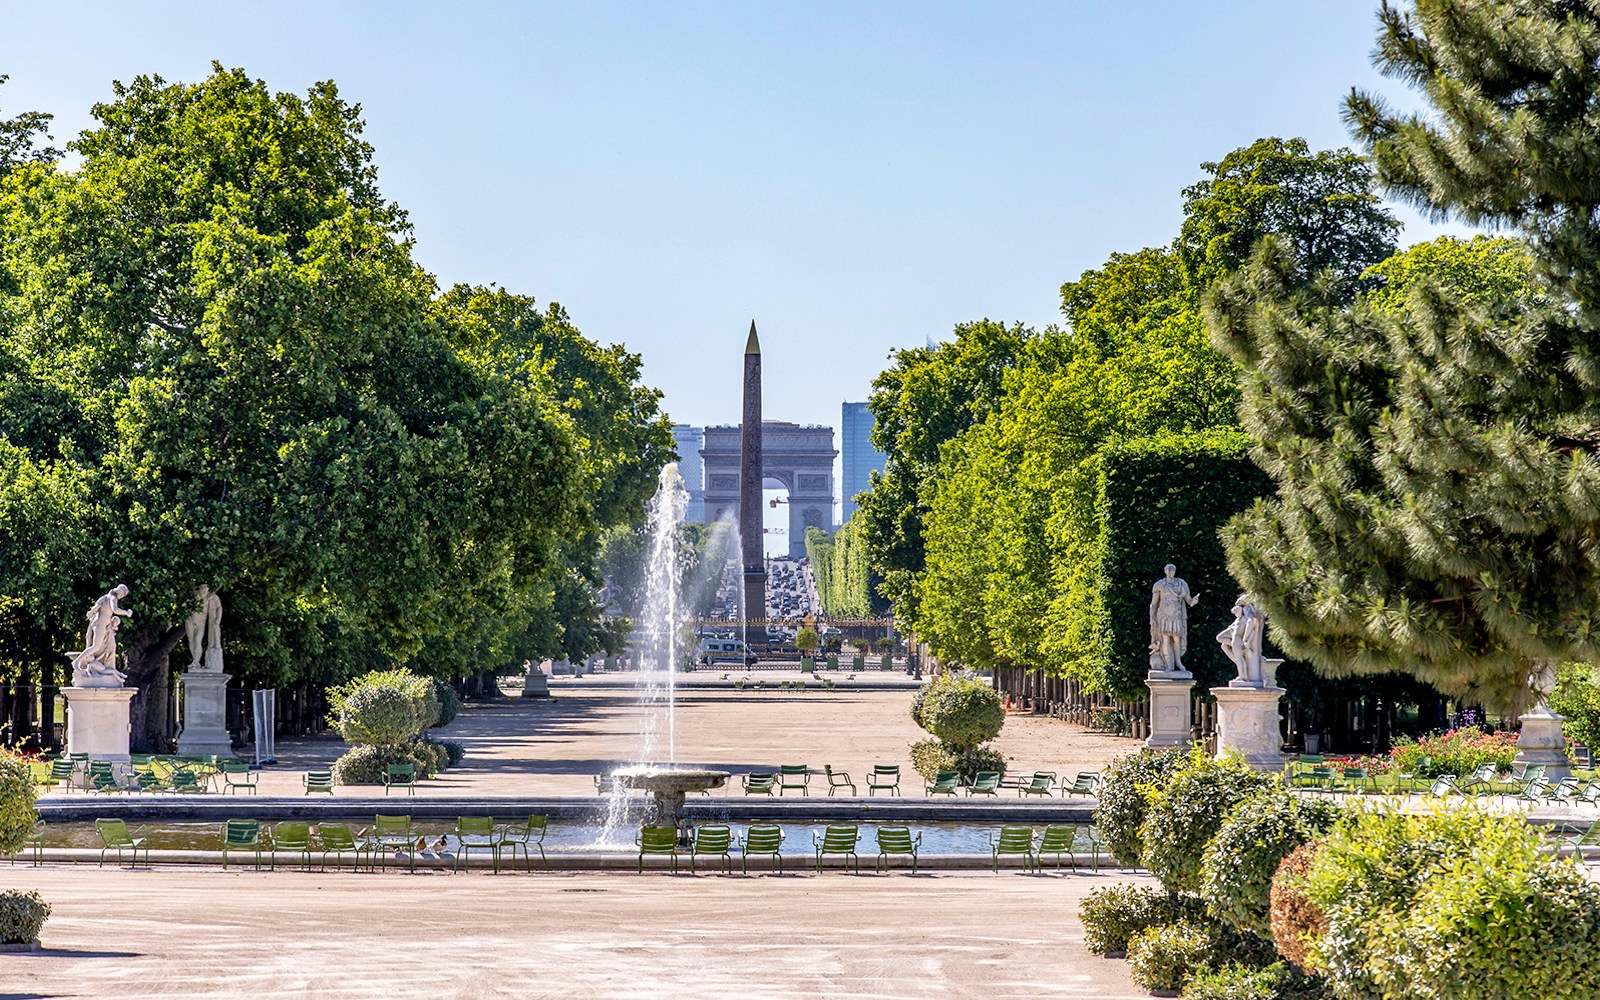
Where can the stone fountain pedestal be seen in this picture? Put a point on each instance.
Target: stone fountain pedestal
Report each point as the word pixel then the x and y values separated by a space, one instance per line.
pixel 1171 692
pixel 97 721
pixel 1247 724
pixel 1542 742
pixel 668 787
pixel 205 714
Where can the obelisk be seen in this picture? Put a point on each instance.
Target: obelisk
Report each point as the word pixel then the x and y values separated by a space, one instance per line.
pixel 750 477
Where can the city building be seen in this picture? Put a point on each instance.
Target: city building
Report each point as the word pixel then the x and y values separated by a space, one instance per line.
pixel 689 441
pixel 860 457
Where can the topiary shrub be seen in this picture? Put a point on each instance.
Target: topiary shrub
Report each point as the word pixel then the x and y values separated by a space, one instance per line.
pixel 1278 981
pixel 449 702
pixel 1457 904
pixel 364 765
pixel 383 708
pixel 1186 812
pixel 1124 796
pixel 929 757
pixel 1297 922
pixel 1115 913
pixel 1238 864
pixel 452 749
pixel 22 914
pixel 963 712
pixel 17 796
pixel 1166 956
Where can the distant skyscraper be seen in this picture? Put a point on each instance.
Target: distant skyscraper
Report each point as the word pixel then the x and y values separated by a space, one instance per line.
pixel 860 457
pixel 689 441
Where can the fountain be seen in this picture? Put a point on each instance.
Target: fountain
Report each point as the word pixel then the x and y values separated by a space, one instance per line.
pixel 663 621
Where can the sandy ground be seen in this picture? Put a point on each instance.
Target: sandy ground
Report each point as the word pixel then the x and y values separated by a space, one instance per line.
pixel 204 933
pixel 530 747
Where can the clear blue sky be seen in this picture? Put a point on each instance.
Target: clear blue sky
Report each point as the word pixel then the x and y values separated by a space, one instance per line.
pixel 854 176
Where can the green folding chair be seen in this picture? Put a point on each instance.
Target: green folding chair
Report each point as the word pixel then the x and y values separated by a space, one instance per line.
pixel 1042 783
pixel 479 832
pixel 658 841
pixel 762 839
pixel 393 833
pixel 897 841
pixel 115 836
pixel 943 783
pixel 337 840
pixel 241 835
pixel 1014 841
pixel 319 782
pixel 712 840
pixel 984 783
pixel 400 776
pixel 292 837
pixel 837 839
pixel 838 780
pixel 525 836
pixel 794 777
pixel 885 778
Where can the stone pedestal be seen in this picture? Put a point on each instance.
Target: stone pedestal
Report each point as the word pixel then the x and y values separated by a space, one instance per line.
pixel 1170 710
pixel 1247 723
pixel 97 721
pixel 536 685
pixel 205 714
pixel 1541 742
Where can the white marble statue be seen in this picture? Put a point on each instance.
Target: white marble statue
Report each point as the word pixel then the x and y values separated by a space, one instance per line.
pixel 1170 602
pixel 1241 641
pixel 204 631
pixel 96 664
pixel 1542 680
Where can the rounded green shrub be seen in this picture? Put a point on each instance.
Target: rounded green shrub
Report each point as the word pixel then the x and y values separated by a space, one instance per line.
pixel 1278 981
pixel 963 712
pixel 383 708
pixel 1124 795
pixel 17 795
pixel 1237 866
pixel 1456 904
pixel 929 757
pixel 364 765
pixel 22 914
pixel 449 702
pixel 1113 914
pixel 453 750
pixel 1186 812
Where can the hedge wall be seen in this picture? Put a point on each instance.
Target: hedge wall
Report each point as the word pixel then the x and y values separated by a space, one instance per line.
pixel 1137 506
pixel 845 583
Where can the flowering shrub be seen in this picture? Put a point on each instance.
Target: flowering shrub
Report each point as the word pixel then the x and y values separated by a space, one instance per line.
pixel 1458 751
pixel 1374 765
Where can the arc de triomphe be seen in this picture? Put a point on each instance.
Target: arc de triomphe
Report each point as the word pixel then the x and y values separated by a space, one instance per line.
pixel 799 457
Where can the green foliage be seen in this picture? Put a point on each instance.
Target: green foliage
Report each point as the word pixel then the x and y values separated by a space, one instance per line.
pixel 1142 504
pixel 453 750
pixel 1279 981
pixel 364 765
pixel 806 641
pixel 846 582
pixel 1166 956
pixel 22 914
pixel 1114 913
pixel 1578 698
pixel 1458 752
pixel 1436 474
pixel 383 708
pixel 1487 271
pixel 1186 812
pixel 929 757
pixel 1457 904
pixel 19 138
pixel 1238 865
pixel 444 693
pixel 17 795
pixel 1124 798
pixel 962 711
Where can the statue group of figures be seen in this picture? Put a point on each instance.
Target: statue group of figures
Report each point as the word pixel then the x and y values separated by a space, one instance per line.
pixel 95 665
pixel 1170 601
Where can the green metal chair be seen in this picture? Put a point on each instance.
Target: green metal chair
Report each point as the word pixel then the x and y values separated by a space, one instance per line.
pixel 1416 776
pixel 837 839
pixel 762 839
pixel 115 836
pixel 34 845
pixel 319 782
pixel 794 777
pixel 185 781
pixel 884 777
pixel 760 783
pixel 393 833
pixel 400 776
pixel 103 778
pixel 712 841
pixel 1356 779
pixel 984 783
pixel 838 780
pixel 477 831
pixel 293 837
pixel 1444 786
pixel 61 773
pixel 521 838
pixel 1563 792
pixel 1042 783
pixel 1014 840
pixel 658 840
pixel 1533 790
pixel 1576 838
pixel 1060 840
pixel 1086 784
pixel 241 835
pixel 897 840
pixel 236 776
pixel 943 783
pixel 337 840
pixel 1481 782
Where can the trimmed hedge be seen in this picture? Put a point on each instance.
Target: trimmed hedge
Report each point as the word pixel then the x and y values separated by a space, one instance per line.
pixel 1187 812
pixel 22 914
pixel 449 702
pixel 1115 913
pixel 1124 797
pixel 1278 981
pixel 1130 509
pixel 1239 863
pixel 364 765
pixel 383 708
pixel 17 795
pixel 1166 957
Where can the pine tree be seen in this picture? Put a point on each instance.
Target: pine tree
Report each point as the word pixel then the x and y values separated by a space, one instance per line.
pixel 1439 490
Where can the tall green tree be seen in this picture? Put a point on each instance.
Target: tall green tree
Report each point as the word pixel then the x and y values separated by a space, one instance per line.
pixel 221 365
pixel 1438 507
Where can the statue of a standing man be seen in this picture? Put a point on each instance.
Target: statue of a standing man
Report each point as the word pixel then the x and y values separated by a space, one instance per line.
pixel 204 631
pixel 1170 602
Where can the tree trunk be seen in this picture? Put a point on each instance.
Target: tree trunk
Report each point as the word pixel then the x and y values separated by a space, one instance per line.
pixel 144 660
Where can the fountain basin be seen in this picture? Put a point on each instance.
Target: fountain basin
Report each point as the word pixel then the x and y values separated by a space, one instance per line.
pixel 668 786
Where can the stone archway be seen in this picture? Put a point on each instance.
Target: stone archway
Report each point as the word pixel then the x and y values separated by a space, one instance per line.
pixel 799 456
